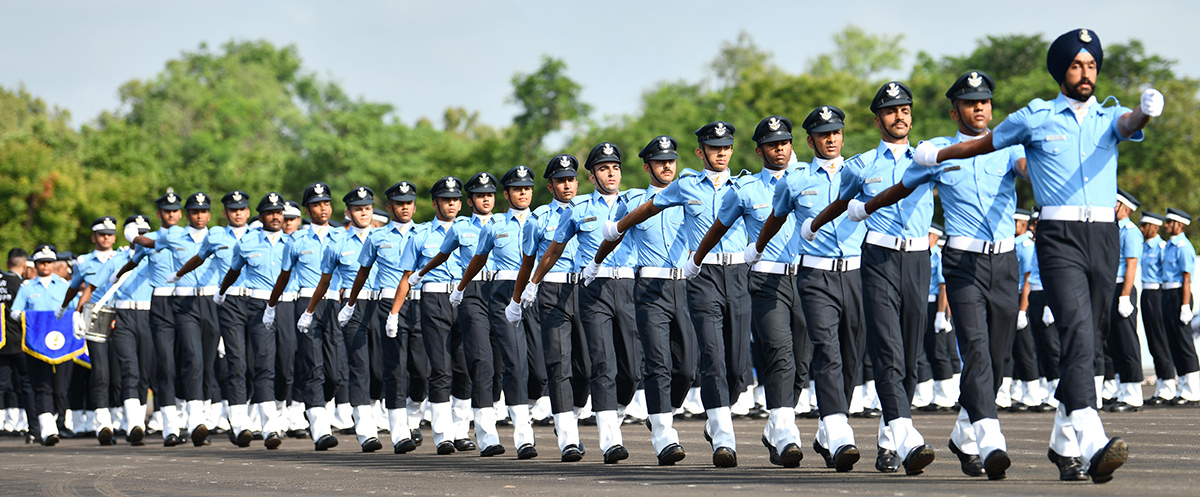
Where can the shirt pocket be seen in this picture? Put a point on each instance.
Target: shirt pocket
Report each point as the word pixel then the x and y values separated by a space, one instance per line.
pixel 1051 143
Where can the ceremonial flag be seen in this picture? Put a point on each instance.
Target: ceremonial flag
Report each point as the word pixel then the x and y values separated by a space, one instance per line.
pixel 49 339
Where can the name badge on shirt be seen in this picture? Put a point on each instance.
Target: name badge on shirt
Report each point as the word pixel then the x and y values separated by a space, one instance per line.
pixel 1055 138
pixel 502 235
pixel 180 248
pixel 760 206
pixel 347 253
pixel 876 179
pixel 590 219
pixel 222 247
pixel 551 228
pixel 694 202
pixel 469 235
pixel 809 192
pixel 306 252
pixel 386 245
pixel 952 168
pixel 432 245
pixel 251 256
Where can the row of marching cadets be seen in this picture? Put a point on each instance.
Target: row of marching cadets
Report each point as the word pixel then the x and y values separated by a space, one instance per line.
pixel 814 280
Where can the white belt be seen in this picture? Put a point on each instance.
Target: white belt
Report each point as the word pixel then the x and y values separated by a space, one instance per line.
pixel 288 297
pixel 185 291
pixel 661 273
pixel 773 268
pixel 363 294
pixel 561 277
pixel 980 246
pixel 1150 286
pixel 258 294
pixel 390 294
pixel 901 244
pixel 509 275
pixel 307 293
pixel 724 259
pixel 830 264
pixel 482 276
pixel 1172 285
pixel 615 273
pixel 1035 288
pixel 933 298
pixel 1120 280
pixel 131 305
pixel 207 291
pixel 164 291
pixel 237 291
pixel 1079 213
pixel 437 287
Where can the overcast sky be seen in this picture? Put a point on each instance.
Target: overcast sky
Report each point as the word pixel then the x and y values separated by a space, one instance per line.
pixel 425 56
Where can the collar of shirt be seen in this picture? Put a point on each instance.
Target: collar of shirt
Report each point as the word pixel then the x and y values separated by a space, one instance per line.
pixel 45 280
pixel 273 236
pixel 1080 108
pixel 1178 239
pixel 238 231
pixel 651 190
pixel 777 174
pixel 197 234
pixel 402 228
pixel 445 225
pixel 830 166
pixel 898 149
pixel 518 214
pixel 960 137
pixel 320 230
pixel 610 200
pixel 718 179
pixel 361 233
pixel 561 205
pixel 482 219
pixel 104 255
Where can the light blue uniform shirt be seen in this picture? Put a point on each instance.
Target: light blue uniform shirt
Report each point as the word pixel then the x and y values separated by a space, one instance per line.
pixel 1035 272
pixel 35 296
pixel 539 233
pixel 91 270
pixel 1152 254
pixel 182 246
pixel 162 263
pixel 423 246
pixel 341 260
pixel 501 239
pixel 1026 257
pixel 870 173
pixel 1069 163
pixel 978 194
pixel 659 241
pixel 935 273
pixel 806 192
pixel 463 238
pixel 1178 257
pixel 583 221
pixel 382 254
pixel 700 201
pixel 261 259
pixel 1131 245
pixel 751 204
pixel 302 256
pixel 218 249
pixel 137 285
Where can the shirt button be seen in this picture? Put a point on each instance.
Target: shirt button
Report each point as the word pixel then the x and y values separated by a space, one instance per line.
pixel 1085 178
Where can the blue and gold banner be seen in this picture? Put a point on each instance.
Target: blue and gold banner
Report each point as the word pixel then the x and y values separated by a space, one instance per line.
pixel 51 340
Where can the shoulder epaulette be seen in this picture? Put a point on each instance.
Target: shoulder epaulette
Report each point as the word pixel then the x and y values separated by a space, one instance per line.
pixel 1038 104
pixel 633 193
pixel 687 171
pixel 863 158
pixel 541 211
pixel 579 199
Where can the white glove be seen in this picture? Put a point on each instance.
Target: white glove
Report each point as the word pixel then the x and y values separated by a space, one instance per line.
pixel 857 210
pixel 751 254
pixel 1022 320
pixel 590 272
pixel 513 312
pixel 269 317
pixel 926 154
pixel 1185 314
pixel 59 313
pixel 1047 316
pixel 174 277
pixel 392 328
pixel 345 314
pixel 456 297
pixel 219 298
pixel 1124 306
pixel 78 324
pixel 610 231
pixel 131 231
pixel 305 322
pixel 691 269
pixel 806 230
pixel 940 323
pixel 414 280
pixel 1152 102
pixel 220 347
pixel 529 296
pixel 112 278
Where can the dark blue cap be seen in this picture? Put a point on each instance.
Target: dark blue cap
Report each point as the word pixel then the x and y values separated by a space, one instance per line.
pixel 601 153
pixel 483 182
pixel 236 199
pixel 1064 49
pixel 891 94
pixel 316 192
pixel 271 202
pixel 562 166
pixel 824 119
pixel 662 147
pixel 198 200
pixel 448 187
pixel 362 195
pixel 716 133
pixel 106 225
pixel 169 201
pixel 973 85
pixel 518 176
pixel 402 192
pixel 773 129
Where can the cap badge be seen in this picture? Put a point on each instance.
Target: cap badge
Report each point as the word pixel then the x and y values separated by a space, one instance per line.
pixel 974 80
pixel 47 252
pixel 404 188
pixel 109 224
pixel 522 172
pixel 171 197
pixel 773 124
pixel 450 184
pixel 200 198
pixel 826 114
pixel 362 192
pixel 319 189
pixel 893 90
pixel 483 179
pixel 273 198
pixel 140 220
pixel 564 161
pixel 237 196
pixel 664 143
pixel 720 131
pixel 1084 36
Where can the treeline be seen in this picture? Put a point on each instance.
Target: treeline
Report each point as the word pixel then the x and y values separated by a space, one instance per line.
pixel 249 116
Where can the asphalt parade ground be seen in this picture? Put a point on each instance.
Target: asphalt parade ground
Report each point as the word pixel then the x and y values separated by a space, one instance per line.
pixel 1164 461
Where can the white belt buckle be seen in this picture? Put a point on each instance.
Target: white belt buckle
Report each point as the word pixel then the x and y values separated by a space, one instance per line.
pixel 839 265
pixel 1087 214
pixel 676 273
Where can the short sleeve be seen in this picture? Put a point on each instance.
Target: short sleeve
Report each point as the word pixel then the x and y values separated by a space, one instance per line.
pixel 1133 244
pixel 450 242
pixel 289 255
pixel 919 175
pixel 1014 130
pixel 670 196
pixel 370 250
pixel 487 238
pixel 567 226
pixel 529 238
pixel 408 254
pixel 77 277
pixel 329 258
pixel 238 260
pixel 731 208
pixel 852 177
pixel 1188 255
pixel 781 201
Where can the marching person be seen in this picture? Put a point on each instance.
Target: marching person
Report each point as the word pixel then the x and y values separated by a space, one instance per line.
pixel 1071 146
pixel 939 346
pixel 1152 309
pixel 1026 362
pixel 718 298
pixel 260 253
pixel 777 317
pixel 896 269
pixel 828 281
pixel 14 363
pixel 1179 261
pixel 1122 342
pixel 132 339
